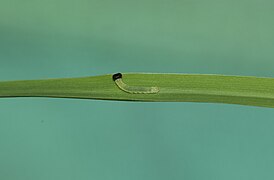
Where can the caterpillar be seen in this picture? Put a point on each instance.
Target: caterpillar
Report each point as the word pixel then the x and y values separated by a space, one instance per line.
pixel 117 78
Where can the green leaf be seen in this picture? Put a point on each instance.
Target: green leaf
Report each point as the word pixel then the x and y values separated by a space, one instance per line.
pixel 244 90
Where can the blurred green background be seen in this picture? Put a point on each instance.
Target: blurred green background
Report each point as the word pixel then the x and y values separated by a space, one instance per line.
pixel 66 139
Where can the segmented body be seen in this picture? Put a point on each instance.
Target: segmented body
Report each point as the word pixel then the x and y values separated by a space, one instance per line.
pixel 133 89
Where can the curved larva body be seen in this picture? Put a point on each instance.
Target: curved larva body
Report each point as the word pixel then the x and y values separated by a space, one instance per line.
pixel 133 89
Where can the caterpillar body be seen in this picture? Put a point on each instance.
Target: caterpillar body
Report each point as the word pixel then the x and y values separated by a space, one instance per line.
pixel 117 78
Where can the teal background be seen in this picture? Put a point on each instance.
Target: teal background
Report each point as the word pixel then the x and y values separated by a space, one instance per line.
pixel 66 139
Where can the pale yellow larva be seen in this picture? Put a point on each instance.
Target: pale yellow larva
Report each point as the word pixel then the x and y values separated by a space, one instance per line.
pixel 117 78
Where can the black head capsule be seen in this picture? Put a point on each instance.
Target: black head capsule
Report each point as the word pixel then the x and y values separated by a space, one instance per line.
pixel 116 76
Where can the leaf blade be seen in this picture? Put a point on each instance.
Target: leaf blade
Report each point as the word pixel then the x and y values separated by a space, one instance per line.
pixel 244 90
